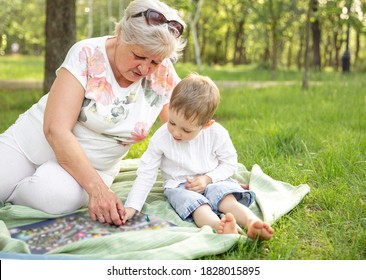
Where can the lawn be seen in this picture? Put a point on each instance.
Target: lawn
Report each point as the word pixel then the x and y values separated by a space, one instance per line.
pixel 315 137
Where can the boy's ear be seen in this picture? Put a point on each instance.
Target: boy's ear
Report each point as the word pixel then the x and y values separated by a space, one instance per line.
pixel 211 122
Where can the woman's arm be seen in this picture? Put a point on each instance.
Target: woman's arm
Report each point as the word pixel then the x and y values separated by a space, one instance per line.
pixel 62 111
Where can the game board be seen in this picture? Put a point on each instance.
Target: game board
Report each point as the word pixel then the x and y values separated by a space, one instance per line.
pixel 47 235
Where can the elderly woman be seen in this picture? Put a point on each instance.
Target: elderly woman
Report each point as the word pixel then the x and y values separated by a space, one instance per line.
pixel 64 152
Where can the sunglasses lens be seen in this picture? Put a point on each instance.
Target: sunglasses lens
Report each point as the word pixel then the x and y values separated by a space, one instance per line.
pixel 155 18
pixel 176 26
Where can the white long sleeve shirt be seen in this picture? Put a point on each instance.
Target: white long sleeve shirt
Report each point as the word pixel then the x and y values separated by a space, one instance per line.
pixel 210 153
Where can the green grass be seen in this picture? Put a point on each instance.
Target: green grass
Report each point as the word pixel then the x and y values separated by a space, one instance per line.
pixel 15 102
pixel 315 137
pixel 237 73
pixel 19 67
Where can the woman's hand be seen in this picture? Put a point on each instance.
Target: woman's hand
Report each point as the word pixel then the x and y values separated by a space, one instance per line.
pixel 106 207
pixel 198 184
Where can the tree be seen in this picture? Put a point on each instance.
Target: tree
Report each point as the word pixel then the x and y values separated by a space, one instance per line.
pixel 305 80
pixel 60 35
pixel 315 27
pixel 240 34
pixel 90 19
pixel 193 20
pixel 274 16
pixel 22 22
pixel 346 58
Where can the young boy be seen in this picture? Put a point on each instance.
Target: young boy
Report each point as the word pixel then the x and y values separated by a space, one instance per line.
pixel 196 158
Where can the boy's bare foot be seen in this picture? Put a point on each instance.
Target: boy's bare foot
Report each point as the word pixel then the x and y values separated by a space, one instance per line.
pixel 227 224
pixel 260 229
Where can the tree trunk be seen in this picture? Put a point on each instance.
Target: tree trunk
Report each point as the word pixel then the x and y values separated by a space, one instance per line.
pixel 121 6
pixel 60 35
pixel 315 26
pixel 193 25
pixel 337 39
pixel 273 23
pixel 110 17
pixel 102 20
pixel 301 47
pixel 266 57
pixel 289 53
pixel 357 49
pixel 305 80
pixel 90 20
pixel 239 42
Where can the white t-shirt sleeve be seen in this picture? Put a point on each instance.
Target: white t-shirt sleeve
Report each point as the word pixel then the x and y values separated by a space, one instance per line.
pixel 76 63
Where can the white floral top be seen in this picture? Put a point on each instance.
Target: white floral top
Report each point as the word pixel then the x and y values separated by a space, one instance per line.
pixel 112 118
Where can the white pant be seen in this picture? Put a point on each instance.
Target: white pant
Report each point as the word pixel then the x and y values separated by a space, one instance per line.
pixel 47 187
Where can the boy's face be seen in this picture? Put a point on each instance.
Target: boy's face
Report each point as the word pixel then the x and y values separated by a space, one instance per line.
pixel 182 129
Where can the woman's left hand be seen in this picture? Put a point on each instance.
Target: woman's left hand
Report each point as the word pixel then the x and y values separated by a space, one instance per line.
pixel 198 184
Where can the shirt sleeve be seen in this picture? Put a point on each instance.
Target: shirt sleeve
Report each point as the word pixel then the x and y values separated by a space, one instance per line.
pixel 146 176
pixel 225 152
pixel 76 63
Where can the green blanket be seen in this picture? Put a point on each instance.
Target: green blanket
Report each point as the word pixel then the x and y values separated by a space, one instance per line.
pixel 273 199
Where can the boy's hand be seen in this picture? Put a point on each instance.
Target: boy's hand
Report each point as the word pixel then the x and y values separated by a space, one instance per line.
pixel 198 184
pixel 244 186
pixel 129 213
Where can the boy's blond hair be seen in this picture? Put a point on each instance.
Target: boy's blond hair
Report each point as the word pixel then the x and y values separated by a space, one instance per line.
pixel 196 97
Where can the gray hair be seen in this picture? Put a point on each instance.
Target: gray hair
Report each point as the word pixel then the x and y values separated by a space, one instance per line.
pixel 156 39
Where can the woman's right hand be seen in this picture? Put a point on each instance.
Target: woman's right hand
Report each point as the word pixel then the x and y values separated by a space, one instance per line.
pixel 106 207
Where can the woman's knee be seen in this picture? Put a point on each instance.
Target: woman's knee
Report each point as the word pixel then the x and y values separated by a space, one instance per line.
pixel 14 167
pixel 51 189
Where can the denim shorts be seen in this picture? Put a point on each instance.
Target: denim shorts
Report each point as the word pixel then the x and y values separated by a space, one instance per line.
pixel 185 202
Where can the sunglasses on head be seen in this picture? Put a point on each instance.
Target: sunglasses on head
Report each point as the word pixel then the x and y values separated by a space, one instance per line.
pixel 156 18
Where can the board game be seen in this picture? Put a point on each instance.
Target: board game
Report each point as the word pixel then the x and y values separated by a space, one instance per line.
pixel 47 235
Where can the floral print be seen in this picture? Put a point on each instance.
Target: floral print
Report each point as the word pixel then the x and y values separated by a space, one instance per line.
pixel 159 89
pixel 164 81
pixel 151 96
pixel 119 111
pixel 93 62
pixel 101 89
pixel 141 131
pixel 125 115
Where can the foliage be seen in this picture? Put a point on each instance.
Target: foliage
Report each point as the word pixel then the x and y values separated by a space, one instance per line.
pixel 22 23
pixel 240 32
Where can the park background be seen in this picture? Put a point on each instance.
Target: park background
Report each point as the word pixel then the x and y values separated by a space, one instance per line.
pixel 292 79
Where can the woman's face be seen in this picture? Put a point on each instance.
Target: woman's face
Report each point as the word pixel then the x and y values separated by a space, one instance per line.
pixel 133 62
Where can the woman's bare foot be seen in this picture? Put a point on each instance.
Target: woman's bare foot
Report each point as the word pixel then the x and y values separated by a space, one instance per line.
pixel 260 229
pixel 227 224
